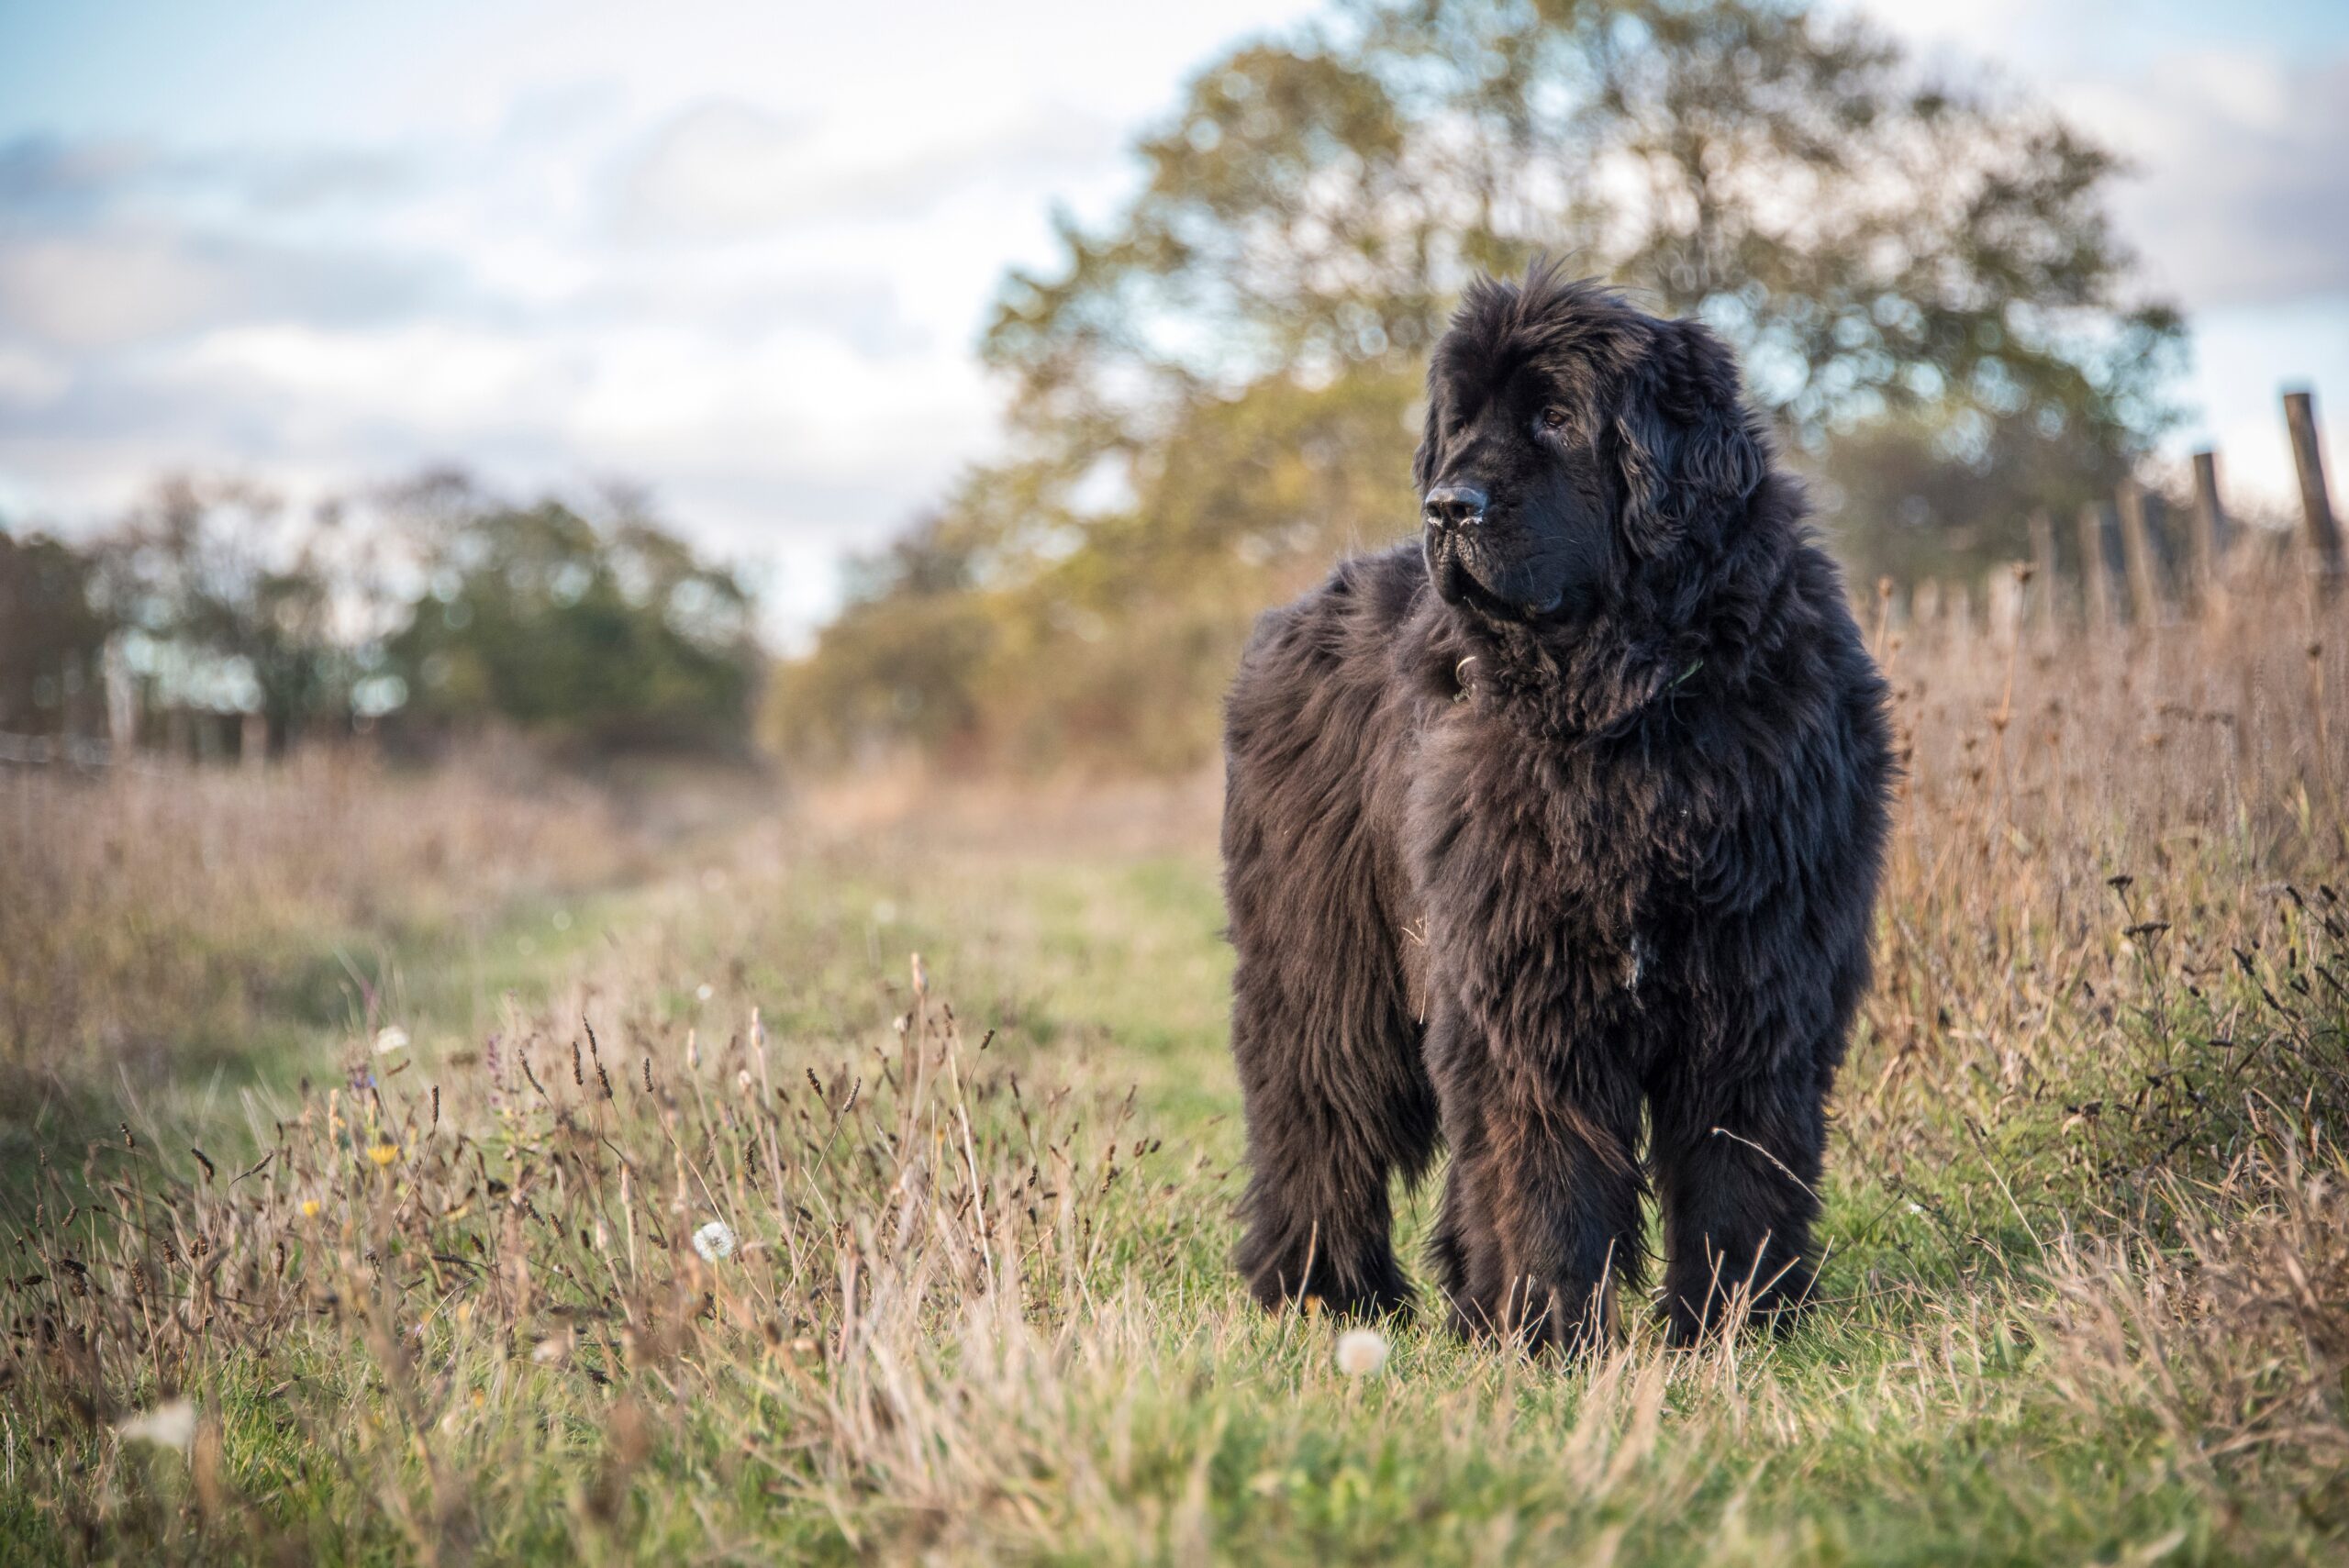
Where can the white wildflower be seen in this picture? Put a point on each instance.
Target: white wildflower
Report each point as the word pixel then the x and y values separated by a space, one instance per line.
pixel 714 1240
pixel 1361 1351
pixel 170 1424
pixel 390 1038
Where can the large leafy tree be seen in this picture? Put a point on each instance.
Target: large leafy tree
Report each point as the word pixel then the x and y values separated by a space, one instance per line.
pixel 1917 269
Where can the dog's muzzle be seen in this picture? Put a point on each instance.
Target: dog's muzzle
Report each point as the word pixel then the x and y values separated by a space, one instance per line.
pixel 1454 507
pixel 1452 512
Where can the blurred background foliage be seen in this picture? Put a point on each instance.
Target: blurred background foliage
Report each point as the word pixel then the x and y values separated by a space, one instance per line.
pixel 211 623
pixel 1216 393
pixel 1212 395
pixel 611 634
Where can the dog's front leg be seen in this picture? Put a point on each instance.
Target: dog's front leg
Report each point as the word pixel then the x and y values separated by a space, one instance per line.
pixel 1739 1171
pixel 1546 1198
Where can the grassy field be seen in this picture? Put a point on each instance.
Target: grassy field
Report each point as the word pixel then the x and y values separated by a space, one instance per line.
pixel 357 1192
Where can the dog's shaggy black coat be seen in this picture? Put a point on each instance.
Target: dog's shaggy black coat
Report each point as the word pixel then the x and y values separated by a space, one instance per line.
pixel 1573 811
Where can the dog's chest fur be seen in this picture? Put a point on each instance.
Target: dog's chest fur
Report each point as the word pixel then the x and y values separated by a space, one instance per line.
pixel 1545 874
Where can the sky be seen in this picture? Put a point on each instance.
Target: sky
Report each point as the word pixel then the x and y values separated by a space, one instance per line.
pixel 741 254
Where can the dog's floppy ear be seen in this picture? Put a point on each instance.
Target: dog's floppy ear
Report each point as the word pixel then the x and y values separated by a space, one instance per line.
pixel 1687 450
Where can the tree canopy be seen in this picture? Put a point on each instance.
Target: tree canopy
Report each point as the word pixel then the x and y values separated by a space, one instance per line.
pixel 1212 390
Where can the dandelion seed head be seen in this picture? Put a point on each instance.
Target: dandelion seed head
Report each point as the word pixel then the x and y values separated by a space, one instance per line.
pixel 1361 1351
pixel 170 1424
pixel 390 1038
pixel 705 991
pixel 714 1240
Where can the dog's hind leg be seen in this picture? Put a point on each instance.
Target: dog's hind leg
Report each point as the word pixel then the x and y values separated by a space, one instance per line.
pixel 1337 1097
pixel 1337 1103
pixel 1464 1248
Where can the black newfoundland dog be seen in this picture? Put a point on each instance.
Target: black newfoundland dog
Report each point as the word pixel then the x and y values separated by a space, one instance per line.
pixel 1571 812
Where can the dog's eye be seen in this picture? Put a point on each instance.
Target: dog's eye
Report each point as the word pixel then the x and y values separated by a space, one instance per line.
pixel 1554 419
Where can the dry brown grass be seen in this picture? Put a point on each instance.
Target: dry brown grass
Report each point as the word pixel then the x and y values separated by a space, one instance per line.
pixel 152 909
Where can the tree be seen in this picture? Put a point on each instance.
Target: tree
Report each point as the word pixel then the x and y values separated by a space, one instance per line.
pixel 1879 243
pixel 611 634
pixel 51 637
pixel 230 607
pixel 1915 269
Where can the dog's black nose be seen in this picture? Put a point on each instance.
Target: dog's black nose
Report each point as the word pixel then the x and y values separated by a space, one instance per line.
pixel 1455 506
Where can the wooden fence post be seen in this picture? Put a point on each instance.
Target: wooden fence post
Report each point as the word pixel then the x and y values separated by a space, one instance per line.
pixel 2096 575
pixel 1925 611
pixel 2138 520
pixel 2042 556
pixel 122 701
pixel 2002 596
pixel 2210 528
pixel 2316 504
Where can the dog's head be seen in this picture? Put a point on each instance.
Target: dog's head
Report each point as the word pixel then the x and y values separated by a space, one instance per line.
pixel 1570 439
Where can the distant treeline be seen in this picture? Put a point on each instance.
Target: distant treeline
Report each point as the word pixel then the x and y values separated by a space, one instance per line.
pixel 1216 392
pixel 212 621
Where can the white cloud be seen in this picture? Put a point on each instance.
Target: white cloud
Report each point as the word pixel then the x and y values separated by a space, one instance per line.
pixel 96 292
pixel 440 381
pixel 793 381
pixel 729 169
pixel 2241 194
pixel 28 377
